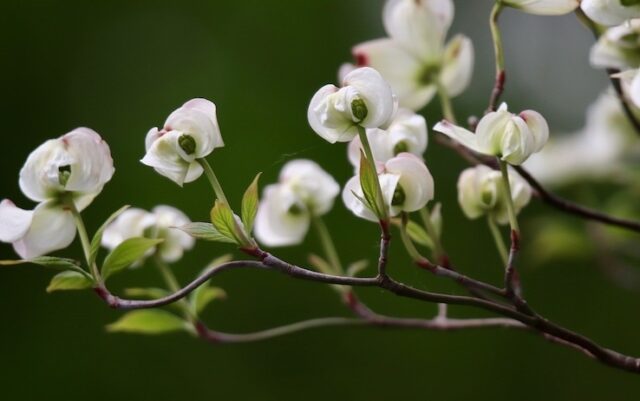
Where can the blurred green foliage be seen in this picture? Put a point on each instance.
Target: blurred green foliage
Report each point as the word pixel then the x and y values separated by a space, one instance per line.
pixel 120 67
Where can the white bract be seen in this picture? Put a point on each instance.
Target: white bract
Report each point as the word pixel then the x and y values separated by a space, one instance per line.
pixel 161 222
pixel 62 173
pixel 481 191
pixel 618 47
pixel 630 80
pixel 595 151
pixel 365 99
pixel 190 133
pixel 414 58
pixel 544 7
pixel 611 12
pixel 304 191
pixel 406 133
pixel 406 183
pixel 511 137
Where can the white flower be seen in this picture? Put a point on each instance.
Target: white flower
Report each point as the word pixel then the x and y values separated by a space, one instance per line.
pixel 511 137
pixel 72 168
pixel 630 80
pixel 610 12
pixel 190 132
pixel 304 190
pixel 618 47
pixel 161 223
pixel 365 99
pixel 595 151
pixel 406 133
pixel 413 59
pixel 406 185
pixel 481 191
pixel 544 7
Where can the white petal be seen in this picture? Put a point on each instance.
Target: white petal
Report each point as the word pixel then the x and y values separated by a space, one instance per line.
pixel 380 143
pixel 52 228
pixel 609 12
pixel 634 89
pixel 14 222
pixel 516 141
pixel 376 93
pixel 326 121
pixel 353 203
pixel 167 219
pixel 419 25
pixel 464 136
pixel 275 225
pixel 545 7
pixel 400 68
pixel 165 158
pixel 92 165
pixel 197 118
pixel 491 130
pixel 457 65
pixel 39 177
pixel 345 69
pixel 131 223
pixel 408 128
pixel 415 180
pixel 311 184
pixel 538 127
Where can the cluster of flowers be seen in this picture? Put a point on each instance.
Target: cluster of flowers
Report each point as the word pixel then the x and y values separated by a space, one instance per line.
pixel 373 109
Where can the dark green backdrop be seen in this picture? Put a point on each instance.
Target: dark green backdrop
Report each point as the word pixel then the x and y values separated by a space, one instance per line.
pixel 121 66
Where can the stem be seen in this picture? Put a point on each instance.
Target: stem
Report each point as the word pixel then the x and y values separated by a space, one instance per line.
pixel 433 233
pixel 173 285
pixel 497 237
pixel 445 104
pixel 362 133
pixel 406 241
pixel 84 240
pixel 327 244
pixel 513 220
pixel 213 180
pixel 499 56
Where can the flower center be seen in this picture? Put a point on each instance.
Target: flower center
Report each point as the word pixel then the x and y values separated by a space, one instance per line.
pixel 429 74
pixel 400 147
pixel 359 109
pixel 64 172
pixel 398 196
pixel 187 143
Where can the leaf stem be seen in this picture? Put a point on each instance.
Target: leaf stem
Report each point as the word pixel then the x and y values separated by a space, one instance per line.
pixel 406 241
pixel 213 180
pixel 362 133
pixel 327 244
pixel 433 233
pixel 445 104
pixel 513 220
pixel 84 240
pixel 497 238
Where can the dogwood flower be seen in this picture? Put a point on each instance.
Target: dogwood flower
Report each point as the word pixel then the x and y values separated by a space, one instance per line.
pixel 630 80
pixel 71 169
pixel 161 222
pixel 544 7
pixel 304 191
pixel 511 137
pixel 190 133
pixel 406 183
pixel 481 191
pixel 406 133
pixel 365 99
pixel 611 12
pixel 618 47
pixel 414 58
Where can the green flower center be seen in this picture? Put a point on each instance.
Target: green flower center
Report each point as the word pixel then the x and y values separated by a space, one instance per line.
pixel 359 109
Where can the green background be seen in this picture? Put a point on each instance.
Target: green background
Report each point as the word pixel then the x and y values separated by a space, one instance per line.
pixel 120 67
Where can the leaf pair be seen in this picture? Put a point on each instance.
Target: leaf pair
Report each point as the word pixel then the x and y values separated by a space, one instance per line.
pixel 370 184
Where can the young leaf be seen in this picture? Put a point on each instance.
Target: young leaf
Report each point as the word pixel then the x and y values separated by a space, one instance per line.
pixel 204 231
pixel 151 321
pixel 250 204
pixel 148 293
pixel 203 295
pixel 51 262
pixel 418 234
pixel 371 187
pixel 69 280
pixel 128 252
pixel 320 264
pixel 224 221
pixel 97 237
pixel 356 267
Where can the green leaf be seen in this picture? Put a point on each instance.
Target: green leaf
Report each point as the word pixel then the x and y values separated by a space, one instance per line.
pixel 356 267
pixel 128 252
pixel 629 3
pixel 224 221
pixel 250 204
pixel 97 237
pixel 370 187
pixel 320 264
pixel 151 321
pixel 147 293
pixel 203 295
pixel 418 234
pixel 436 218
pixel 69 280
pixel 51 262
pixel 205 231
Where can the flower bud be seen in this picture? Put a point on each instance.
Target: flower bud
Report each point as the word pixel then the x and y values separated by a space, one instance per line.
pixel 481 191
pixel 406 183
pixel 304 190
pixel 190 132
pixel 611 12
pixel 544 7
pixel 511 137
pixel 365 99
